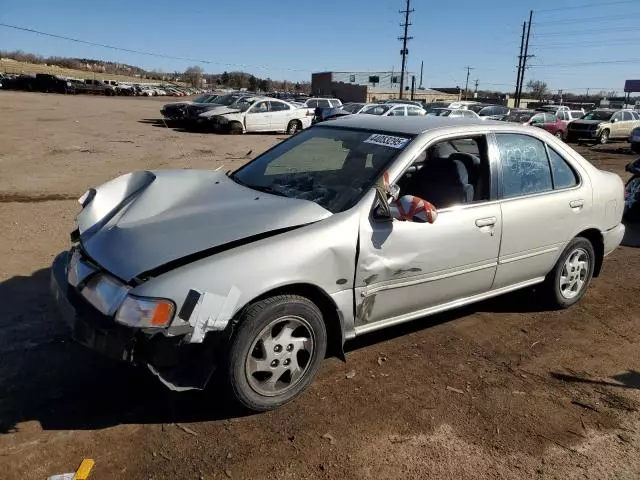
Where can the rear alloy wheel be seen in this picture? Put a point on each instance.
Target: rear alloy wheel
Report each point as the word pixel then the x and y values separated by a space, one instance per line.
pixel 559 135
pixel 604 137
pixel 276 351
pixel 569 279
pixel 293 127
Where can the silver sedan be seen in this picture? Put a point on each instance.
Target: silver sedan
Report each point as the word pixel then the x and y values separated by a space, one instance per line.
pixel 348 227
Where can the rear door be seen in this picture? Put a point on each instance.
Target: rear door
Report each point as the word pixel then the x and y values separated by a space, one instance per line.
pixel 545 201
pixel 281 115
pixel 625 126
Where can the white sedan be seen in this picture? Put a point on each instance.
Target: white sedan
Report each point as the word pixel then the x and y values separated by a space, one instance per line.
pixel 259 114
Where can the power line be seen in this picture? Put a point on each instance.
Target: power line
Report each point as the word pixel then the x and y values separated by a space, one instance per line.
pixel 604 62
pixel 561 46
pixel 589 19
pixel 141 52
pixel 611 30
pixel 589 5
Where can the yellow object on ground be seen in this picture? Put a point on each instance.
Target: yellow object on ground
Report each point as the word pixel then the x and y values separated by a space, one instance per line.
pixel 84 469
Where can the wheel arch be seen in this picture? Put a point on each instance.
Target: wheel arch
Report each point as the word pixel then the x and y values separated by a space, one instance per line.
pixel 330 312
pixel 595 237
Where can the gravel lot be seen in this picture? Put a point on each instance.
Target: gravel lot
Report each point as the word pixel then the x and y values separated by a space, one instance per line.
pixel 497 390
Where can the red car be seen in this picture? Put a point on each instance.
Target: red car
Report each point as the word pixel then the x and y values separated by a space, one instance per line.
pixel 545 120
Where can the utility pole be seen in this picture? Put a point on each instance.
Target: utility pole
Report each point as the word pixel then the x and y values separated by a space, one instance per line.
pixel 421 71
pixel 475 92
pixel 405 38
pixel 413 86
pixel 515 100
pixel 466 88
pixel 525 57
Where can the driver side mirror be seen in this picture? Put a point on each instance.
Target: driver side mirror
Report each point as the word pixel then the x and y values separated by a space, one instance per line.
pixel 407 208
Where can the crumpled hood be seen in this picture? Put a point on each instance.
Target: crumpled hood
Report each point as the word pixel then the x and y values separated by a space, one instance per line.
pixel 143 220
pixel 221 110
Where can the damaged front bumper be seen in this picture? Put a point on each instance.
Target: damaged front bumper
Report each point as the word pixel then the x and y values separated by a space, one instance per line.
pixel 178 364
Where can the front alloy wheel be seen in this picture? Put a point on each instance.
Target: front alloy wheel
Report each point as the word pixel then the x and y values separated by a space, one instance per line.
pixel 604 137
pixel 277 349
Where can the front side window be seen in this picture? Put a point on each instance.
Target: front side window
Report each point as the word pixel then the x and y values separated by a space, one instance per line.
pixel 413 111
pixel 334 103
pixel 260 107
pixel 550 118
pixel 312 103
pixel 450 172
pixel 525 167
pixel 332 167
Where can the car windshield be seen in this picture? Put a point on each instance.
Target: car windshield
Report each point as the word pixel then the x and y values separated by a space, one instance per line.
pixel 476 108
pixel 333 167
pixel 229 99
pixel 378 109
pixel 244 103
pixel 351 107
pixel 203 98
pixel 439 112
pixel 519 117
pixel 598 115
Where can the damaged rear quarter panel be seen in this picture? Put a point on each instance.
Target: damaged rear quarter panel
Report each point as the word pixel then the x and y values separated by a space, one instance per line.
pixel 321 254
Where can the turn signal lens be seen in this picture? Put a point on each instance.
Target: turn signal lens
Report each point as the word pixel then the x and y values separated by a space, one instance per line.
pixel 145 312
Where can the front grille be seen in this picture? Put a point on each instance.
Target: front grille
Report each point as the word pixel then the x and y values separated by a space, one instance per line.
pixel 581 127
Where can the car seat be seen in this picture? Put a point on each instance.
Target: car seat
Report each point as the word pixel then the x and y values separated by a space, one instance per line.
pixel 443 183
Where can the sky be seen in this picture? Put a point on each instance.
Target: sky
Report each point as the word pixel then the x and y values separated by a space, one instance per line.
pixel 289 39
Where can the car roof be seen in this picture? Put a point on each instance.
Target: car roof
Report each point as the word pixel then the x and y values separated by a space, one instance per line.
pixel 407 125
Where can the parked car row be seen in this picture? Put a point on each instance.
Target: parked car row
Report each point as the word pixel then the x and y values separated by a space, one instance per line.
pixel 604 125
pixel 46 83
pixel 240 112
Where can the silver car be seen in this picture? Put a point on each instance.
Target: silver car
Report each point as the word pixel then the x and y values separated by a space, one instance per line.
pixel 348 227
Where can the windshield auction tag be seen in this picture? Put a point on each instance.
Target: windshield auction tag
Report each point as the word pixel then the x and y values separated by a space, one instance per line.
pixel 387 140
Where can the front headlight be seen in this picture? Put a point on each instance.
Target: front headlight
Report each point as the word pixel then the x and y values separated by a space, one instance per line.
pixel 105 292
pixel 145 312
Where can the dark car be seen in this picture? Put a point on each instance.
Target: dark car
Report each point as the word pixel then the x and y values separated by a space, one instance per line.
pixel 544 120
pixel 53 84
pixel 587 127
pixel 21 82
pixel 322 114
pixel 177 111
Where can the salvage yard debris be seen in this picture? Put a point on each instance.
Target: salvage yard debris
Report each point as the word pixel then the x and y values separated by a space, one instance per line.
pixel 82 473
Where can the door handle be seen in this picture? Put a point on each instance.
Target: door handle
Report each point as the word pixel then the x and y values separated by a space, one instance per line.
pixel 576 203
pixel 486 222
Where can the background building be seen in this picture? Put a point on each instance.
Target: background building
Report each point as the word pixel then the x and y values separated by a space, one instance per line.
pixel 372 86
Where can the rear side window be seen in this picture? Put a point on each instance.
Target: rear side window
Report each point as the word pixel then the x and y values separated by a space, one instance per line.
pixel 312 103
pixel 279 106
pixel 324 104
pixel 525 167
pixel 563 174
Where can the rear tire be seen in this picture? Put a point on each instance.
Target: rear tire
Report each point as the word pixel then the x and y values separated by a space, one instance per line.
pixel 569 280
pixel 294 127
pixel 282 336
pixel 559 135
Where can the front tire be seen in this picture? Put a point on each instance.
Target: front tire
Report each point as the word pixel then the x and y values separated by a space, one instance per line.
pixel 568 281
pixel 276 351
pixel 559 135
pixel 604 137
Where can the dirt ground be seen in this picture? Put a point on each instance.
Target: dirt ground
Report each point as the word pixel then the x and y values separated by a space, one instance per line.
pixel 497 390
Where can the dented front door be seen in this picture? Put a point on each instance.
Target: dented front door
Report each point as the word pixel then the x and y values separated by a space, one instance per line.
pixel 404 268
